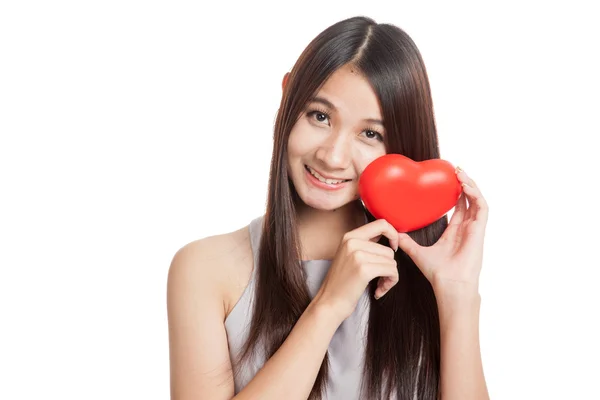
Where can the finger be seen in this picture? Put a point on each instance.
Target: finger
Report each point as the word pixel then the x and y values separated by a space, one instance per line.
pixel 363 257
pixel 383 286
pixel 457 219
pixel 464 178
pixel 373 230
pixel 478 208
pixel 410 247
pixel 382 268
pixel 388 277
pixel 354 244
pixel 459 210
pixel 474 196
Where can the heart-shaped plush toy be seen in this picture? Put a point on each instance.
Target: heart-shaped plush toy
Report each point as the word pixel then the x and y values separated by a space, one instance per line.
pixel 408 194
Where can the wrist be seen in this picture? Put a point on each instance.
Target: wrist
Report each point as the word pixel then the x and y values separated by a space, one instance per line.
pixel 456 296
pixel 330 310
pixel 325 312
pixel 452 289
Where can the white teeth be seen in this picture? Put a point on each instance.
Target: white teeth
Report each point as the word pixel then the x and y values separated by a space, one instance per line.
pixel 327 181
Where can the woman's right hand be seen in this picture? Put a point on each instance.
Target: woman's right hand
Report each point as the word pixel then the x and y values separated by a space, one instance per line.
pixel 360 259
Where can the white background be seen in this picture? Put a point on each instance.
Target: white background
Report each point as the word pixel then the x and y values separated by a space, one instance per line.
pixel 130 128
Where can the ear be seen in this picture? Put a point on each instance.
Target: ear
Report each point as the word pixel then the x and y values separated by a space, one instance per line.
pixel 285 79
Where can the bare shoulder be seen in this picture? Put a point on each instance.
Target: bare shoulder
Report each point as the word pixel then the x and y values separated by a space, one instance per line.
pixel 221 264
pixel 203 280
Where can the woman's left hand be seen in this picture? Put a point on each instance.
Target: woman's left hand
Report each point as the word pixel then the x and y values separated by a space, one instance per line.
pixel 456 258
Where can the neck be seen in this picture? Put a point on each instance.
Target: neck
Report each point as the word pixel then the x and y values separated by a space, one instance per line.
pixel 321 231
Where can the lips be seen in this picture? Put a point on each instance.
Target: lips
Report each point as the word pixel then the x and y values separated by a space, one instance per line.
pixel 324 179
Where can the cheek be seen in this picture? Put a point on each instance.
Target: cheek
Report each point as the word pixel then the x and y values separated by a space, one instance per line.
pixel 364 157
pixel 302 140
pixel 293 143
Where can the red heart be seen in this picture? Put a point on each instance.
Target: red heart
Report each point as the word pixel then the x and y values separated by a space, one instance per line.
pixel 408 194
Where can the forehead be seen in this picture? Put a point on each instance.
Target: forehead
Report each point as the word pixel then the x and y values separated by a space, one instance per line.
pixel 351 92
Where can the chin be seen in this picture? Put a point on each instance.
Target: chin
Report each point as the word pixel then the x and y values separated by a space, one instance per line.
pixel 320 197
pixel 322 202
pixel 325 206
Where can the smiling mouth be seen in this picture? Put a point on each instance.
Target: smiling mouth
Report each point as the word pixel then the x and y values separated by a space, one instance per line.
pixel 325 180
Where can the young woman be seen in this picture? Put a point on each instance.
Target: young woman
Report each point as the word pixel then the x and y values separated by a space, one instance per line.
pixel 316 299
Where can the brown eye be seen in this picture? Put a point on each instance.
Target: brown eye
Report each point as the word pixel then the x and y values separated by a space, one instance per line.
pixel 319 116
pixel 370 134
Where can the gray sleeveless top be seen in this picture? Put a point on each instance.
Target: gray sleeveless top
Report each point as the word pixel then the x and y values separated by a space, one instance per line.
pixel 346 349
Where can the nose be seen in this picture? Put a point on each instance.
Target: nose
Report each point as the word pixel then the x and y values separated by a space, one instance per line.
pixel 335 151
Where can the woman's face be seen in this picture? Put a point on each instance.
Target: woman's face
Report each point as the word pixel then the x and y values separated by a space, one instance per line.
pixel 337 136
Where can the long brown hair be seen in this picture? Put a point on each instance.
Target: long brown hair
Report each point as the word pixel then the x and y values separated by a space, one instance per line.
pixel 403 345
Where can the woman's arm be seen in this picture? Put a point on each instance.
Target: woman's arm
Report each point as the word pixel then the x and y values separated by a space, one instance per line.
pixel 453 265
pixel 291 373
pixel 199 354
pixel 462 376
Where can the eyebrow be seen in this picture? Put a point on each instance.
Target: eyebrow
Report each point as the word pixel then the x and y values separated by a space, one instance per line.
pixel 330 105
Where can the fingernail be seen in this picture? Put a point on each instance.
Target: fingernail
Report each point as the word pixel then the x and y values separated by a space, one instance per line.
pixel 377 297
pixel 458 169
pixel 465 184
